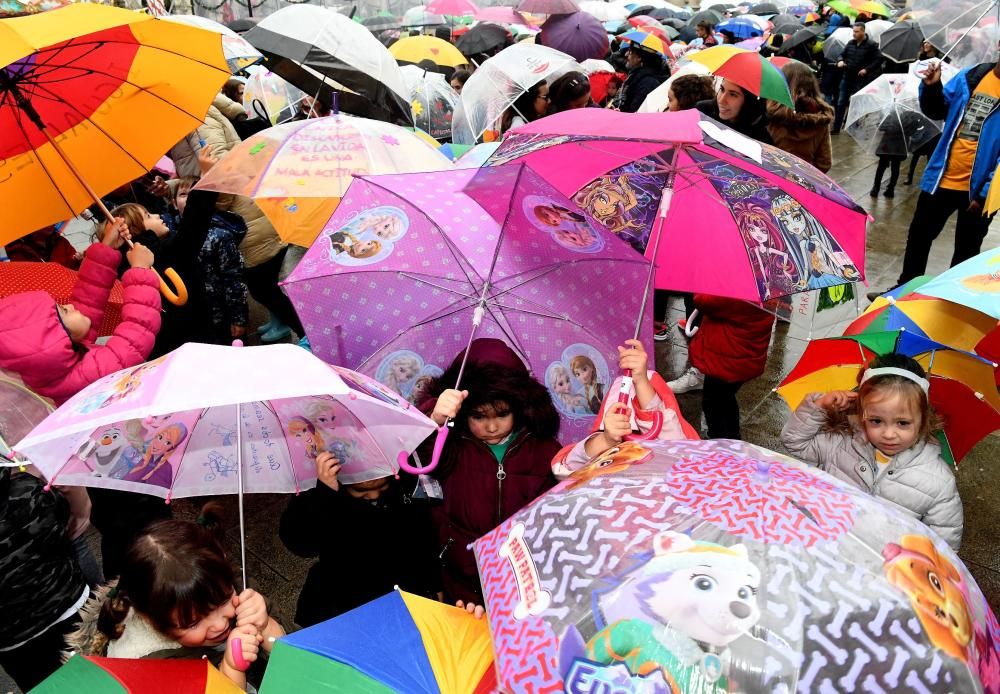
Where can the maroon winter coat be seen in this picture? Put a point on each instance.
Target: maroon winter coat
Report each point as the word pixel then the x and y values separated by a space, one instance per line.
pixel 732 339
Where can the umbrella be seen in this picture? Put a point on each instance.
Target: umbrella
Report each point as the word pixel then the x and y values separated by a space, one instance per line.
pixel 800 37
pixel 414 49
pixel 876 27
pixel 399 642
pixel 498 83
pixel 578 35
pixel 966 30
pixel 22 410
pixel 658 100
pixel 962 385
pixel 548 6
pixel 433 101
pixel 747 69
pixel 871 7
pixel 94 675
pixel 884 117
pixel 75 82
pixel 842 7
pixel 209 419
pixel 592 66
pixel 239 53
pixel 768 224
pixel 786 27
pixel 270 96
pixel 902 42
pixel 297 172
pixel 664 14
pixel 810 17
pixel 834 44
pixel 765 8
pixel 306 44
pixel 501 15
pixel 645 38
pixel 710 16
pixel 474 157
pixel 381 23
pixel 993 195
pixel 752 44
pixel 636 10
pixel 784 18
pixel 498 247
pixel 453 151
pixel 419 16
pixel 604 11
pixel 453 8
pixel 243 24
pixel 718 566
pixel 741 27
pixel 483 38
pixel 974 283
pixel 58 282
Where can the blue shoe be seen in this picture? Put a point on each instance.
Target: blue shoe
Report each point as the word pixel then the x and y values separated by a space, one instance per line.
pixel 270 325
pixel 276 334
pixel 304 344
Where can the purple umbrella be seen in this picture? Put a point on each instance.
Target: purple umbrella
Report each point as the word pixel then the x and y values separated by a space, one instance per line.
pixel 410 267
pixel 548 6
pixel 579 35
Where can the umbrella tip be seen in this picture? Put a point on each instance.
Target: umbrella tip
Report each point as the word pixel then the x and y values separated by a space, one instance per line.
pixel 237 343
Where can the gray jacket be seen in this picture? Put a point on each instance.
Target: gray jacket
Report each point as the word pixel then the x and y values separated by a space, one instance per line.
pixel 918 479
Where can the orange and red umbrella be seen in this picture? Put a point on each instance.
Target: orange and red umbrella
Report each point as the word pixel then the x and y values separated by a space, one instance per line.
pixel 93 675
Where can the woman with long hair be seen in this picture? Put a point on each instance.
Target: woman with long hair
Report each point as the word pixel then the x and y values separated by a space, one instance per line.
pixel 804 131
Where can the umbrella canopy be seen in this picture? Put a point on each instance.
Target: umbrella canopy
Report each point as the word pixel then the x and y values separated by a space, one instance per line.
pixel 453 8
pixel 399 642
pixel 498 83
pixel 243 24
pixel 748 69
pixel 548 6
pixel 974 283
pixel 902 42
pixel 658 100
pixel 297 172
pixel 483 38
pixel 414 49
pixel 502 15
pixel 646 39
pixel 23 410
pixel 432 99
pixel 768 223
pixel 270 96
pixel 993 196
pixel 58 282
pixel 238 51
pixel 717 566
pixel 710 16
pixel 834 44
pixel 764 9
pixel 876 27
pixel 94 675
pixel 965 30
pixel 498 242
pixel 800 37
pixel 604 11
pixel 871 7
pixel 420 16
pixel 305 44
pixel 381 23
pixel 741 27
pixel 885 118
pixel 578 35
pixel 93 77
pixel 842 7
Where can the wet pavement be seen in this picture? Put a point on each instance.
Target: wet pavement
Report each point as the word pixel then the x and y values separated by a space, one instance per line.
pixel 279 575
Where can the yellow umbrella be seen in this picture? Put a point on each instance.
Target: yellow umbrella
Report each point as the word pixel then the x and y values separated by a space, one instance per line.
pixel 413 49
pixel 90 98
pixel 993 196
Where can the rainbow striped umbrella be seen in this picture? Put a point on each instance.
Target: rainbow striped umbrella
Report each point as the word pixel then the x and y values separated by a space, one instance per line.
pixel 92 675
pixel 648 40
pixel 748 69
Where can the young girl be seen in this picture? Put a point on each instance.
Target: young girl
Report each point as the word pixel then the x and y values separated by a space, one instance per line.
pixel 175 599
pixel 880 439
pixel 495 460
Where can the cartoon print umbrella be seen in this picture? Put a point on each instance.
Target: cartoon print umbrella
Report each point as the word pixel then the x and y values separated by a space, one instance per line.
pixel 411 267
pixel 94 675
pixel 768 223
pixel 238 51
pixel 297 172
pixel 974 283
pixel 962 385
pixel 397 643
pixel 748 69
pixel 718 566
pixel 210 419
pixel 432 100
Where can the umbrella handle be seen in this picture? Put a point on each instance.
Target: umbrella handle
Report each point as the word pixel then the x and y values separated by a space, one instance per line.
pixel 181 296
pixel 404 462
pixel 654 418
pixel 236 651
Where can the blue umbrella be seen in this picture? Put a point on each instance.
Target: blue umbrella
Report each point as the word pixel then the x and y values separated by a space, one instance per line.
pixel 741 28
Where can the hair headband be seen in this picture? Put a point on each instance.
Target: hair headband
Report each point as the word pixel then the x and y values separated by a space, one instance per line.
pixel 894 371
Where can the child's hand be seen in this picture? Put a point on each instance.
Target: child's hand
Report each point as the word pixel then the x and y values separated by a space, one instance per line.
pixel 249 640
pixel 251 609
pixel 616 424
pixel 159 188
pixel 477 611
pixel 207 158
pixel 140 256
pixel 448 405
pixel 115 234
pixel 837 400
pixel 634 357
pixel 327 467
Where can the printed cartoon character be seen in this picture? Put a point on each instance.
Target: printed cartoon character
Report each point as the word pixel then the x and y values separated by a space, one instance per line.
pixel 586 373
pixel 345 242
pixel 110 443
pixel 983 284
pixel 303 430
pixel 155 468
pixel 403 369
pixel 609 200
pixel 387 227
pixel 570 229
pixel 679 612
pixel 322 414
pixel 771 265
pixel 128 383
pixel 615 459
pixel 421 389
pixel 936 591
pixel 818 262
pixel 559 384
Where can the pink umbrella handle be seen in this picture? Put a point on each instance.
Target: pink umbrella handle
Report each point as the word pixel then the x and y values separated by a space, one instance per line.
pixel 236 651
pixel 654 418
pixel 404 462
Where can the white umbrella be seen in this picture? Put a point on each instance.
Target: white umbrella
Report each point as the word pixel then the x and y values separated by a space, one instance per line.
pixel 238 52
pixel 885 117
pixel 591 66
pixel 604 11
pixel 432 99
pixel 875 27
pixel 657 100
pixel 966 30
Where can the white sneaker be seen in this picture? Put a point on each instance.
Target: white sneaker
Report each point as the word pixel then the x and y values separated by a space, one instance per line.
pixel 692 379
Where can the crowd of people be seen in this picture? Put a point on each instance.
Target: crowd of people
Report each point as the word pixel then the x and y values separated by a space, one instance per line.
pixel 165 587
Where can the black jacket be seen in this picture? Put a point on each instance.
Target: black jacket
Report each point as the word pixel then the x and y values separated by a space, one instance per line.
pixel 861 56
pixel 364 549
pixel 752 121
pixel 638 85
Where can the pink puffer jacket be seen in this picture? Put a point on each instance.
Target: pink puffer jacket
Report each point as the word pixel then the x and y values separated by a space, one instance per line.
pixel 34 343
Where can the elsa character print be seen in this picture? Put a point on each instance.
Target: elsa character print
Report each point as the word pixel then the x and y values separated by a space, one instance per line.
pixel 561 386
pixel 402 371
pixel 818 263
pixel 386 227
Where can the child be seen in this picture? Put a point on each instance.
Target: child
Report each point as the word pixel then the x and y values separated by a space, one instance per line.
pixel 175 599
pixel 391 542
pixel 495 461
pixel 880 439
pixel 650 394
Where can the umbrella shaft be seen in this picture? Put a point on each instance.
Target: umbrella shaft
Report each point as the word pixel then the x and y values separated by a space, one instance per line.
pixel 239 479
pixel 666 196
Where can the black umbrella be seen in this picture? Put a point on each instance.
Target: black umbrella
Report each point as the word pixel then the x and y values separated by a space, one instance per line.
pixel 721 8
pixel 902 42
pixel 674 22
pixel 785 17
pixel 785 26
pixel 483 38
pixel 765 8
pixel 803 35
pixel 709 16
pixel 687 34
pixel 641 9
pixel 663 13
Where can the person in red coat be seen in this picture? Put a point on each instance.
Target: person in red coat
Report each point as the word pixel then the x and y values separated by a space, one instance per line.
pixel 497 458
pixel 730 348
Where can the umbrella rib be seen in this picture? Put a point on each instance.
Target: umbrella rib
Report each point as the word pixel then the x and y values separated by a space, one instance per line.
pixel 48 174
pixel 416 278
pixel 291 466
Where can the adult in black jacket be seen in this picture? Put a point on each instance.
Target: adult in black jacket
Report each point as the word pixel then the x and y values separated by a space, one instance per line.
pixel 645 73
pixel 741 110
pixel 861 61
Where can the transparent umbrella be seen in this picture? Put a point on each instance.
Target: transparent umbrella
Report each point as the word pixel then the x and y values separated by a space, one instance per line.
pixel 966 30
pixel 835 42
pixel 885 117
pixel 268 95
pixel 432 100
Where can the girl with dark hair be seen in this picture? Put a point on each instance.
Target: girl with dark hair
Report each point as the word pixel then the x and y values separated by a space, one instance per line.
pixel 530 106
pixel 570 91
pixel 741 110
pixel 175 599
pixel 687 90
pixel 495 461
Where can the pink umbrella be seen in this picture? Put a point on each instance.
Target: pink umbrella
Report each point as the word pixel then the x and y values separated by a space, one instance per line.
pixel 210 419
pixel 721 213
pixel 501 15
pixel 454 8
pixel 410 267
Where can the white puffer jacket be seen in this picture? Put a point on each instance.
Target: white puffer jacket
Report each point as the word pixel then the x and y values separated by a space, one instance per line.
pixel 918 479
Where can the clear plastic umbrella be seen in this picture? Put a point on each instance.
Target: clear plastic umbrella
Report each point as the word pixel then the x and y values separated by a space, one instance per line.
pixel 885 117
pixel 498 83
pixel 966 30
pixel 268 95
pixel 419 17
pixel 835 42
pixel 432 100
